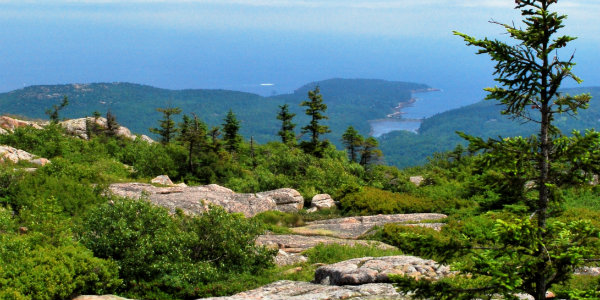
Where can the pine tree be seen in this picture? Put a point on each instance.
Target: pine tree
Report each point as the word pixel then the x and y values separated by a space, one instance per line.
pixel 353 142
pixel 193 133
pixel 167 129
pixel 530 253
pixel 231 127
pixel 53 113
pixel 286 133
pixel 369 152
pixel 111 124
pixel 315 110
pixel 214 134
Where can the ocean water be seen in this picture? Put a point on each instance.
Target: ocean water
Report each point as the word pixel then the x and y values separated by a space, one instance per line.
pixel 426 105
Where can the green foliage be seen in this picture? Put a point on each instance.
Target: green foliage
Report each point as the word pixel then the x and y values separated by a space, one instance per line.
pixel 371 201
pixel 287 127
pixel 53 113
pixel 315 109
pixel 369 153
pixel 33 269
pixel 420 241
pixel 353 141
pixel 333 253
pixel 580 287
pixel 231 128
pixel 167 130
pixel 280 218
pixel 161 255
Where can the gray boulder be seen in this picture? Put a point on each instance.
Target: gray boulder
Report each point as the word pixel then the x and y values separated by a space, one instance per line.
pixel 196 199
pixel 322 201
pixel 377 270
pixel 297 290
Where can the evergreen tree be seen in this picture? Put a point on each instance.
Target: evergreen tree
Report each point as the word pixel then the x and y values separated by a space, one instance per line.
pixel 353 142
pixel 315 110
pixel 369 152
pixel 53 113
pixel 287 127
pixel 231 127
pixel 111 124
pixel 193 133
pixel 530 253
pixel 214 134
pixel 167 129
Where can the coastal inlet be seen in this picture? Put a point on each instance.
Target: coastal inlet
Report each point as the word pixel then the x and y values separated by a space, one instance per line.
pixel 423 104
pixel 408 115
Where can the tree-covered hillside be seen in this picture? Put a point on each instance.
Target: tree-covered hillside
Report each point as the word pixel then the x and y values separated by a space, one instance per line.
pixel 438 133
pixel 350 102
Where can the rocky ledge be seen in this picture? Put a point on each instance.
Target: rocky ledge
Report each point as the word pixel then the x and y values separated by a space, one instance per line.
pixel 294 290
pixel 366 270
pixel 10 154
pixel 195 199
pixel 354 227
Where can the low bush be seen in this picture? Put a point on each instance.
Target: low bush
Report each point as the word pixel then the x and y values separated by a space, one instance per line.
pixel 370 201
pixel 33 269
pixel 163 256
pixel 333 253
pixel 419 241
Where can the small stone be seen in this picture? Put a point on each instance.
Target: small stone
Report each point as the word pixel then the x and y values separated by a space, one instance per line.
pixel 322 201
pixel 162 180
pixel 417 180
pixel 312 210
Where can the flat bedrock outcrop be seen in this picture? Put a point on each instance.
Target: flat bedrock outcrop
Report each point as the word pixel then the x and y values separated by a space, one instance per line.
pixel 293 243
pixel 354 227
pixel 366 270
pixel 297 290
pixel 196 199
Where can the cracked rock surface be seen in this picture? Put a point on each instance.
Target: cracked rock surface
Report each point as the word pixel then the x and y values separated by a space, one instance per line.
pixel 366 270
pixel 195 199
pixel 295 290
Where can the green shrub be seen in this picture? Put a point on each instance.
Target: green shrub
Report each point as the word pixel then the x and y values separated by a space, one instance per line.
pixel 419 241
pixel 279 218
pixel 370 201
pixel 578 287
pixel 72 196
pixel 163 256
pixel 32 269
pixel 333 253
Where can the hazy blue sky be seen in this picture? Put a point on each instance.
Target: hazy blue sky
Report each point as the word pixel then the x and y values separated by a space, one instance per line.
pixel 238 44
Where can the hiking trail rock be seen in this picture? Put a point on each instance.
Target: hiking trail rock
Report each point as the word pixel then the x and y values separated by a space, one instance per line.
pixel 366 270
pixel 196 199
pixel 297 290
pixel 354 227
